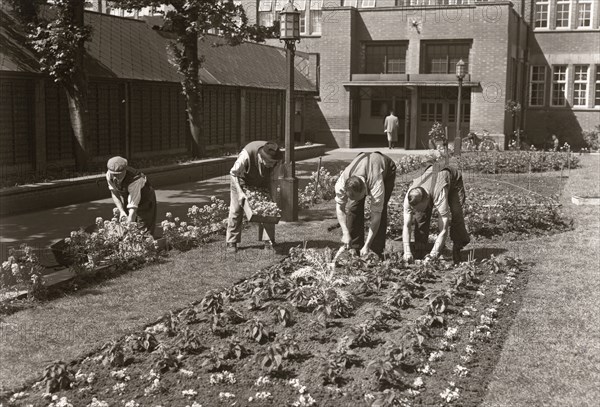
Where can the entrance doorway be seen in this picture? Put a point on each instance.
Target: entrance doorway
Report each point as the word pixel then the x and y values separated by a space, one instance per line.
pixel 375 105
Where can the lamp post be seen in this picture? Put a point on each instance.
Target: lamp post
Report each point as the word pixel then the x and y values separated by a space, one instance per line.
pixel 290 34
pixel 460 75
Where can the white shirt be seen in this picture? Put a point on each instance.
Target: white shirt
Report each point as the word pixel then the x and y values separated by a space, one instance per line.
pixel 134 190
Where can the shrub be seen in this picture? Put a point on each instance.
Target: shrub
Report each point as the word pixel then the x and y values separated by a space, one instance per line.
pixel 591 138
pixel 493 162
pixel 202 222
pixel 123 244
pixel 326 188
pixel 22 270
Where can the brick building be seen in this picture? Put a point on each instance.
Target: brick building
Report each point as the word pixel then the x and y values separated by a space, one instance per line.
pixel 377 55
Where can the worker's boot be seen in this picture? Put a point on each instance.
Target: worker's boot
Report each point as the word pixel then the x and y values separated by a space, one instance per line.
pixel 232 248
pixel 456 257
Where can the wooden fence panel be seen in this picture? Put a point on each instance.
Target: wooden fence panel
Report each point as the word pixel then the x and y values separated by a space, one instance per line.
pixel 59 134
pixel 17 128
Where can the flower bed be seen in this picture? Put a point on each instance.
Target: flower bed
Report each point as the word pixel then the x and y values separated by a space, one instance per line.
pixel 493 212
pixel 517 162
pixel 307 331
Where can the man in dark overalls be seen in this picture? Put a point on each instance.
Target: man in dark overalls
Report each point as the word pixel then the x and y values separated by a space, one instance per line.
pixel 440 187
pixel 132 193
pixel 253 167
pixel 370 174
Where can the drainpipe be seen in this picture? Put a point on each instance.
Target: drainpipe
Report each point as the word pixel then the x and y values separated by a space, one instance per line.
pixel 525 60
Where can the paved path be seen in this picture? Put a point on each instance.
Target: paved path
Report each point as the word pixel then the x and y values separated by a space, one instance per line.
pixel 42 228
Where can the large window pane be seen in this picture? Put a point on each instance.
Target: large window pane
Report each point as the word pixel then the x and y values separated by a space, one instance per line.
pixel 441 58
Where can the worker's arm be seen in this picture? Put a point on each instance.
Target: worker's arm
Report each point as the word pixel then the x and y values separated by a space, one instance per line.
pixel 377 192
pixel 340 207
pixel 441 203
pixel 373 228
pixel 341 216
pixel 406 230
pixel 237 173
pixel 134 197
pixel 440 241
pixel 119 204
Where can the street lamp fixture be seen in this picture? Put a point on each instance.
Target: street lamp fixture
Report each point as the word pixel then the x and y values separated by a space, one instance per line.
pixel 461 71
pixel 290 34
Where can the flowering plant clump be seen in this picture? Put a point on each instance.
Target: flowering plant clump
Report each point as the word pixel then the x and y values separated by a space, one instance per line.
pixel 121 243
pixel 518 162
pixel 410 163
pixel 22 269
pixel 320 188
pixel 261 203
pixel 184 235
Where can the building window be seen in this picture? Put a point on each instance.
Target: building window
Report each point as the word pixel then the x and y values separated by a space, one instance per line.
pixel 584 13
pixel 349 3
pixel 580 84
pixel 380 107
pixel 541 13
pixel 442 58
pixel 316 16
pixel 431 112
pixel 597 97
pixel 465 111
pixel 563 11
pixel 559 85
pixel 385 58
pixel 301 6
pixel 265 13
pixel 367 3
pixel 537 83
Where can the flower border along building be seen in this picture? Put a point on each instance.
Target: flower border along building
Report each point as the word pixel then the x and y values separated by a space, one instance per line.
pixel 378 55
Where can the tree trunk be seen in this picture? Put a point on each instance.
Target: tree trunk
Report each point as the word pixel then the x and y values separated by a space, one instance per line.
pixel 77 97
pixel 191 87
pixel 78 113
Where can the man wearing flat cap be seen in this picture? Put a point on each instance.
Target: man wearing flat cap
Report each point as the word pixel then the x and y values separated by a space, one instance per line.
pixel 253 167
pixel 132 193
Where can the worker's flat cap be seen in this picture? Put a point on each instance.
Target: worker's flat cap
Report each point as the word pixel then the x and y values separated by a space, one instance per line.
pixel 116 165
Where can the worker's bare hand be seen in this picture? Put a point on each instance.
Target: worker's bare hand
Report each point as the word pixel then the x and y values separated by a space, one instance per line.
pixel 346 238
pixel 364 251
pixel 408 257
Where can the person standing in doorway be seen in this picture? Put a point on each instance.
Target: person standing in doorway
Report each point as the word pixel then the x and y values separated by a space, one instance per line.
pixel 391 126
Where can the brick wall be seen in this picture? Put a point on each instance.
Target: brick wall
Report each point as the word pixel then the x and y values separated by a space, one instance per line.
pixel 563 48
pixel 344 29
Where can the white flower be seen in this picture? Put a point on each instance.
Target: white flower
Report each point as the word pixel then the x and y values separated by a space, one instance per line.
pixel 466 313
pixel 262 381
pixel 225 395
pixel 304 400
pixel 97 403
pixel 91 378
pixel 132 403
pixel 427 370
pixel 469 349
pixel 194 404
pixel 418 383
pixel 485 320
pixel 451 333
pixel 119 387
pixel 189 393
pixel 120 375
pixel 435 356
pixel 263 395
pixel 187 373
pixel 17 396
pixel 450 394
pixel 460 370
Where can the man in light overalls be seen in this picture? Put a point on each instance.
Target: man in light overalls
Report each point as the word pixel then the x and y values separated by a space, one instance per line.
pixel 440 186
pixel 368 174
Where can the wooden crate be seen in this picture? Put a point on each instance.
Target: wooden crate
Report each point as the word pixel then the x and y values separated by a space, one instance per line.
pixel 252 217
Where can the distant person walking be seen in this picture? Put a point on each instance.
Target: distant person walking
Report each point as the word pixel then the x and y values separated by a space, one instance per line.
pixel 253 167
pixel 132 193
pixel 391 126
pixel 555 143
